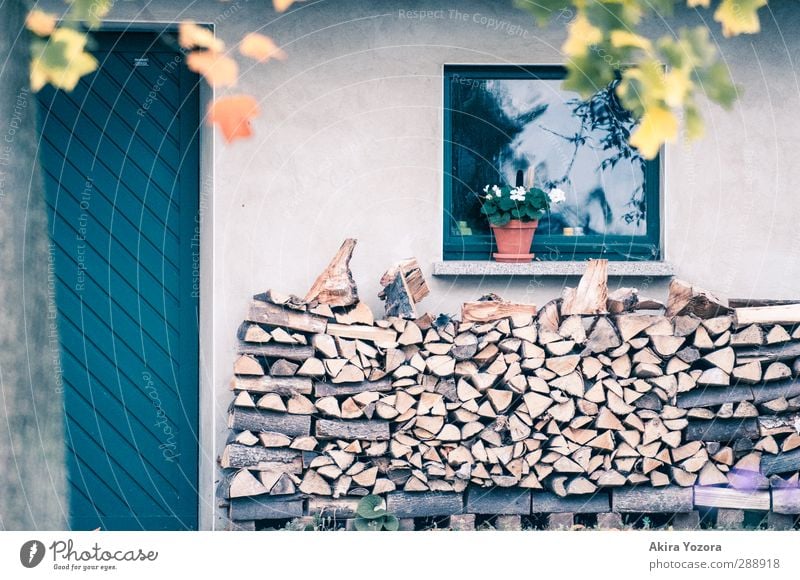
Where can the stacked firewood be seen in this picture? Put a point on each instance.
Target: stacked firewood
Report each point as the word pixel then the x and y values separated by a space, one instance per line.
pixel 592 392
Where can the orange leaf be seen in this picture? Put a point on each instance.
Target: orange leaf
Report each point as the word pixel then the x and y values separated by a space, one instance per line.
pixel 40 23
pixel 233 115
pixel 190 35
pixel 282 5
pixel 218 69
pixel 260 48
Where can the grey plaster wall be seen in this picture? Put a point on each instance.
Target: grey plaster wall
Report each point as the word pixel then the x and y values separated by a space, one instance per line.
pixel 349 144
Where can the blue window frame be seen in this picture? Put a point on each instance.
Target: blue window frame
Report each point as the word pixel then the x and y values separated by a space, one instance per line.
pixel 506 124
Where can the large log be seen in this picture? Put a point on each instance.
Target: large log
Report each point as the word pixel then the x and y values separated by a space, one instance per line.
pixel 423 504
pixel 591 295
pixel 722 430
pixel 781 463
pixel 545 502
pixel 404 287
pixel 778 424
pixel 670 499
pixel 787 389
pixel 497 500
pixel 491 310
pixel 286 386
pixel 335 285
pixel 341 508
pixel 772 353
pixel 786 500
pixel 350 430
pixel 709 396
pixel 723 497
pixel 779 314
pixel 266 508
pixel 287 351
pixel 239 456
pixel 274 315
pixel 328 389
pixel 255 420
pixel 685 299
pixel 381 336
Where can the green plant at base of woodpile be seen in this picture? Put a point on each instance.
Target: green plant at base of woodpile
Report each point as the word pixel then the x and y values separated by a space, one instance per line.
pixel 371 516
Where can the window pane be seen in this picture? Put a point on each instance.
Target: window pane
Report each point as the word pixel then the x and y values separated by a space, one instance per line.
pixel 501 126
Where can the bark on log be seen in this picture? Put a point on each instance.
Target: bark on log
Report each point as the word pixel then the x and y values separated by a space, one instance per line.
pixel 350 430
pixel 490 310
pixel 274 315
pixel 722 430
pixel 776 352
pixel 255 420
pixel 709 396
pixel 328 389
pixel 786 500
pixel 496 500
pixel 685 299
pixel 423 504
pixel 286 386
pixel 341 508
pixel 670 499
pixel 545 502
pixel 787 389
pixel 781 463
pixel 287 351
pixel 265 508
pixel 240 456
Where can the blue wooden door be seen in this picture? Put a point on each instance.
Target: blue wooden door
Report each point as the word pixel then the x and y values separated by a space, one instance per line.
pixel 120 162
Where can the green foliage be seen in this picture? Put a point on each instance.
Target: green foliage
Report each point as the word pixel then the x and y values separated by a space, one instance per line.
pixel 500 204
pixel 662 78
pixel 371 515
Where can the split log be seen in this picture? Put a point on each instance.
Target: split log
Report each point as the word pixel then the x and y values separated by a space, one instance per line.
pixel 495 500
pixel 274 315
pixel 781 314
pixel 722 430
pixel 423 504
pixel 404 287
pixel 380 336
pixel 591 295
pixel 721 497
pixel 684 299
pixel 670 499
pixel 490 310
pixel 544 502
pixel 786 500
pixel 622 300
pixel 265 508
pixel 286 386
pixel 341 508
pixel 367 430
pixel 335 285
pixel 255 420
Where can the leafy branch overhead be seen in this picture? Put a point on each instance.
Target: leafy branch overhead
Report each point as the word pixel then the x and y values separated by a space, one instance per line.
pixel 661 78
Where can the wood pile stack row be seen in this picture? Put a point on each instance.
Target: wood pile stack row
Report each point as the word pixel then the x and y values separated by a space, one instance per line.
pixel 590 401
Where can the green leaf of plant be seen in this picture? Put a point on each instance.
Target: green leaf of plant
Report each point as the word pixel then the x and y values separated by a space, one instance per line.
pixel 371 507
pixel 739 16
pixel 718 85
pixel 391 523
pixel 365 525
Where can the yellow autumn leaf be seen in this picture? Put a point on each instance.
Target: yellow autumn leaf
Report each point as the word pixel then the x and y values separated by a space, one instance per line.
pixel 261 48
pixel 739 16
pixel 657 126
pixel 40 23
pixel 696 3
pixel 677 86
pixel 581 35
pixel 190 35
pixel 61 60
pixel 625 39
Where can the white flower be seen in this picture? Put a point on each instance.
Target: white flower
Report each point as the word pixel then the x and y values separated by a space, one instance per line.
pixel 486 189
pixel 556 195
pixel 488 196
pixel 497 191
pixel 518 194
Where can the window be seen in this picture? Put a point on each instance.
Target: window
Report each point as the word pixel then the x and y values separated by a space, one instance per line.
pixel 506 124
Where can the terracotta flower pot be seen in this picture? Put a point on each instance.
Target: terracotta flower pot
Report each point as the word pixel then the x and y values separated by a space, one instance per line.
pixel 514 241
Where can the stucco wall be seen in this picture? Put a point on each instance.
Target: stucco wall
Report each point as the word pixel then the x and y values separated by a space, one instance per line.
pixel 350 145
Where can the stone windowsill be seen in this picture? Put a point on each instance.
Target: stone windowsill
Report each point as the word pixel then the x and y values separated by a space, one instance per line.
pixel 554 268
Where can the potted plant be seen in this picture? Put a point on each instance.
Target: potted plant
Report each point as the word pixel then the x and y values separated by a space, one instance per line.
pixel 513 214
